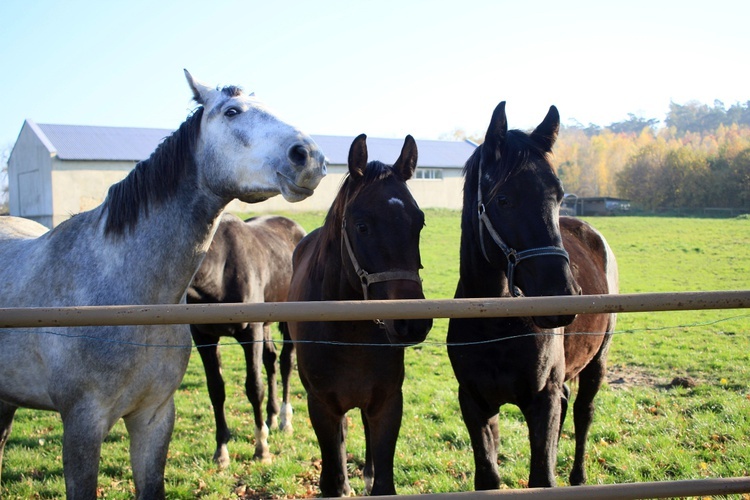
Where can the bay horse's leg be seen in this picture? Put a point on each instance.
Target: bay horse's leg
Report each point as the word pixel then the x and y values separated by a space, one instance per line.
pixel 330 429
pixel 252 343
pixel 286 365
pixel 6 423
pixel 543 420
pixel 150 430
pixel 483 433
pixel 563 408
pixel 589 381
pixel 384 423
pixel 269 362
pixel 208 348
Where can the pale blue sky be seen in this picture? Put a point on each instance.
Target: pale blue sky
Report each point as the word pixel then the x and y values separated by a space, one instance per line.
pixel 386 68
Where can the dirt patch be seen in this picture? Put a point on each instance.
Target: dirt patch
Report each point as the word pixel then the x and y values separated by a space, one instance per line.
pixel 623 377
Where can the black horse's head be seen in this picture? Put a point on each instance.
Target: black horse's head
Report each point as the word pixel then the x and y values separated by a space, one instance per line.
pixel 515 195
pixel 380 227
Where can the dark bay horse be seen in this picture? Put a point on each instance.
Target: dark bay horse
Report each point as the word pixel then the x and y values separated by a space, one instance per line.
pixel 368 248
pixel 142 245
pixel 247 262
pixel 513 242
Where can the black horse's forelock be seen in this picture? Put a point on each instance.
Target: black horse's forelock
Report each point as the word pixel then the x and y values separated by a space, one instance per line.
pixel 153 180
pixel 518 147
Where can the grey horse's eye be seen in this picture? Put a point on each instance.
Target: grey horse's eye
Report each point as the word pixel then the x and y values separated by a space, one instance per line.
pixel 231 112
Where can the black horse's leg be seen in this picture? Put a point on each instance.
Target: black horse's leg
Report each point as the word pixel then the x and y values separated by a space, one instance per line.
pixel 563 408
pixel 543 420
pixel 589 382
pixel 384 420
pixel 286 365
pixel 253 344
pixel 368 473
pixel 6 423
pixel 330 429
pixel 269 361
pixel 208 348
pixel 483 434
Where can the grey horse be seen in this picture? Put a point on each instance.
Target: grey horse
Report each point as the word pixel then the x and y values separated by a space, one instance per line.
pixel 142 245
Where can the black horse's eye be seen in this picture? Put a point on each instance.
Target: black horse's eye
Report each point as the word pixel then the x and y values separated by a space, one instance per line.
pixel 502 201
pixel 231 112
pixel 361 227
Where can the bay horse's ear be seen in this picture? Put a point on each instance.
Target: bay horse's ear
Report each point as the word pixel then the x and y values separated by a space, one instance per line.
pixel 495 136
pixel 546 133
pixel 407 160
pixel 358 156
pixel 199 89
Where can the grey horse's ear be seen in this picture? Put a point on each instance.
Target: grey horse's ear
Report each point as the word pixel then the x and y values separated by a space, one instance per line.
pixel 546 133
pixel 407 160
pixel 200 90
pixel 358 156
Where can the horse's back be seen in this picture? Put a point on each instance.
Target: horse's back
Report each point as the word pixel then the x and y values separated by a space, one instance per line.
pixel 595 269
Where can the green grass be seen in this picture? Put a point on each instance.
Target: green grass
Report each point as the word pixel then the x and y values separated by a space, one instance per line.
pixel 643 431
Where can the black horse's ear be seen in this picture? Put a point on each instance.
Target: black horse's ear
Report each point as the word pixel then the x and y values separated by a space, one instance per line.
pixel 407 160
pixel 494 139
pixel 358 156
pixel 546 133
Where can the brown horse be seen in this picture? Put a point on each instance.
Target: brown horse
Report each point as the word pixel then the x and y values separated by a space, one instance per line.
pixel 368 248
pixel 248 261
pixel 513 242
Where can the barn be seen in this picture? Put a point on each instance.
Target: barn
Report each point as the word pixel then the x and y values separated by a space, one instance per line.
pixel 56 171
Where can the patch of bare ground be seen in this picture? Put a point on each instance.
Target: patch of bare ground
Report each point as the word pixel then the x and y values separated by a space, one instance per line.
pixel 624 377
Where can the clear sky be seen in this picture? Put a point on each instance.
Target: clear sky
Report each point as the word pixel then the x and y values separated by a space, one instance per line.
pixel 386 68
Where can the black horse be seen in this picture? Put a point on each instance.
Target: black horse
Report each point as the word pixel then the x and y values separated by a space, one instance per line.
pixel 248 261
pixel 513 242
pixel 368 248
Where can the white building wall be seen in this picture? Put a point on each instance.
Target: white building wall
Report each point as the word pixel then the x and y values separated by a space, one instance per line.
pixel 29 178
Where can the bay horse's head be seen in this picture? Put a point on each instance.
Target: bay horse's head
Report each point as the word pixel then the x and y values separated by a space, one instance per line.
pixel 516 198
pixel 380 225
pixel 248 152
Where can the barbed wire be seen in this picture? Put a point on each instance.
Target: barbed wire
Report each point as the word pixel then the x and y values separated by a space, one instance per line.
pixel 629 331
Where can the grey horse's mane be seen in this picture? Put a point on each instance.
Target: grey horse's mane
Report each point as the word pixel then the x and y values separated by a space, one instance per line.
pixel 153 180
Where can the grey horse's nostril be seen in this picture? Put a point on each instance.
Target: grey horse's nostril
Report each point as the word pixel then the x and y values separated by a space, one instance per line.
pixel 298 154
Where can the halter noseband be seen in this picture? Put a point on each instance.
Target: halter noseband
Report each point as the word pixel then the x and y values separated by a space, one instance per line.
pixel 513 257
pixel 365 278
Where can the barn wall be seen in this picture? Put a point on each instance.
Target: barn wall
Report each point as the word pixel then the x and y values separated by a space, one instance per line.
pixel 79 186
pixel 429 193
pixel 29 178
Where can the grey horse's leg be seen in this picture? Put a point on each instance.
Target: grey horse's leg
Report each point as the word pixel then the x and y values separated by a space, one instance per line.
pixel 150 430
pixel 286 366
pixel 6 423
pixel 269 362
pixel 208 349
pixel 84 430
pixel 253 344
pixel 483 433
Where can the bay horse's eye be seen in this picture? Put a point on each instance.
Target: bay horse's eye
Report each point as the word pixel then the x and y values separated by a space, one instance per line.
pixel 502 201
pixel 231 112
pixel 361 227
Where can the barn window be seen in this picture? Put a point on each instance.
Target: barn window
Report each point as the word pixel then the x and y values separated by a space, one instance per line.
pixel 429 173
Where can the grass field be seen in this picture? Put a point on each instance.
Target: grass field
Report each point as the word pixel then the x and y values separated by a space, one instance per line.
pixel 643 430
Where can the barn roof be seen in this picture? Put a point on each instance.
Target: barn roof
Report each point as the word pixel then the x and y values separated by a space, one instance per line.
pixel 92 143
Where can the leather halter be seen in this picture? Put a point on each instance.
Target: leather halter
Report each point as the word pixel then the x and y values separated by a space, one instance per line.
pixel 365 278
pixel 513 257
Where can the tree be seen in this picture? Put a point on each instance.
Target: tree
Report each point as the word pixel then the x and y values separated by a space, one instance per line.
pixel 633 125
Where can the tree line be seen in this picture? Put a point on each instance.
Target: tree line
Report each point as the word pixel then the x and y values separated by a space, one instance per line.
pixel 700 158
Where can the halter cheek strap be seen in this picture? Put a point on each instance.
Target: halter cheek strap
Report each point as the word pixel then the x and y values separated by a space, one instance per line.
pixel 512 256
pixel 365 278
